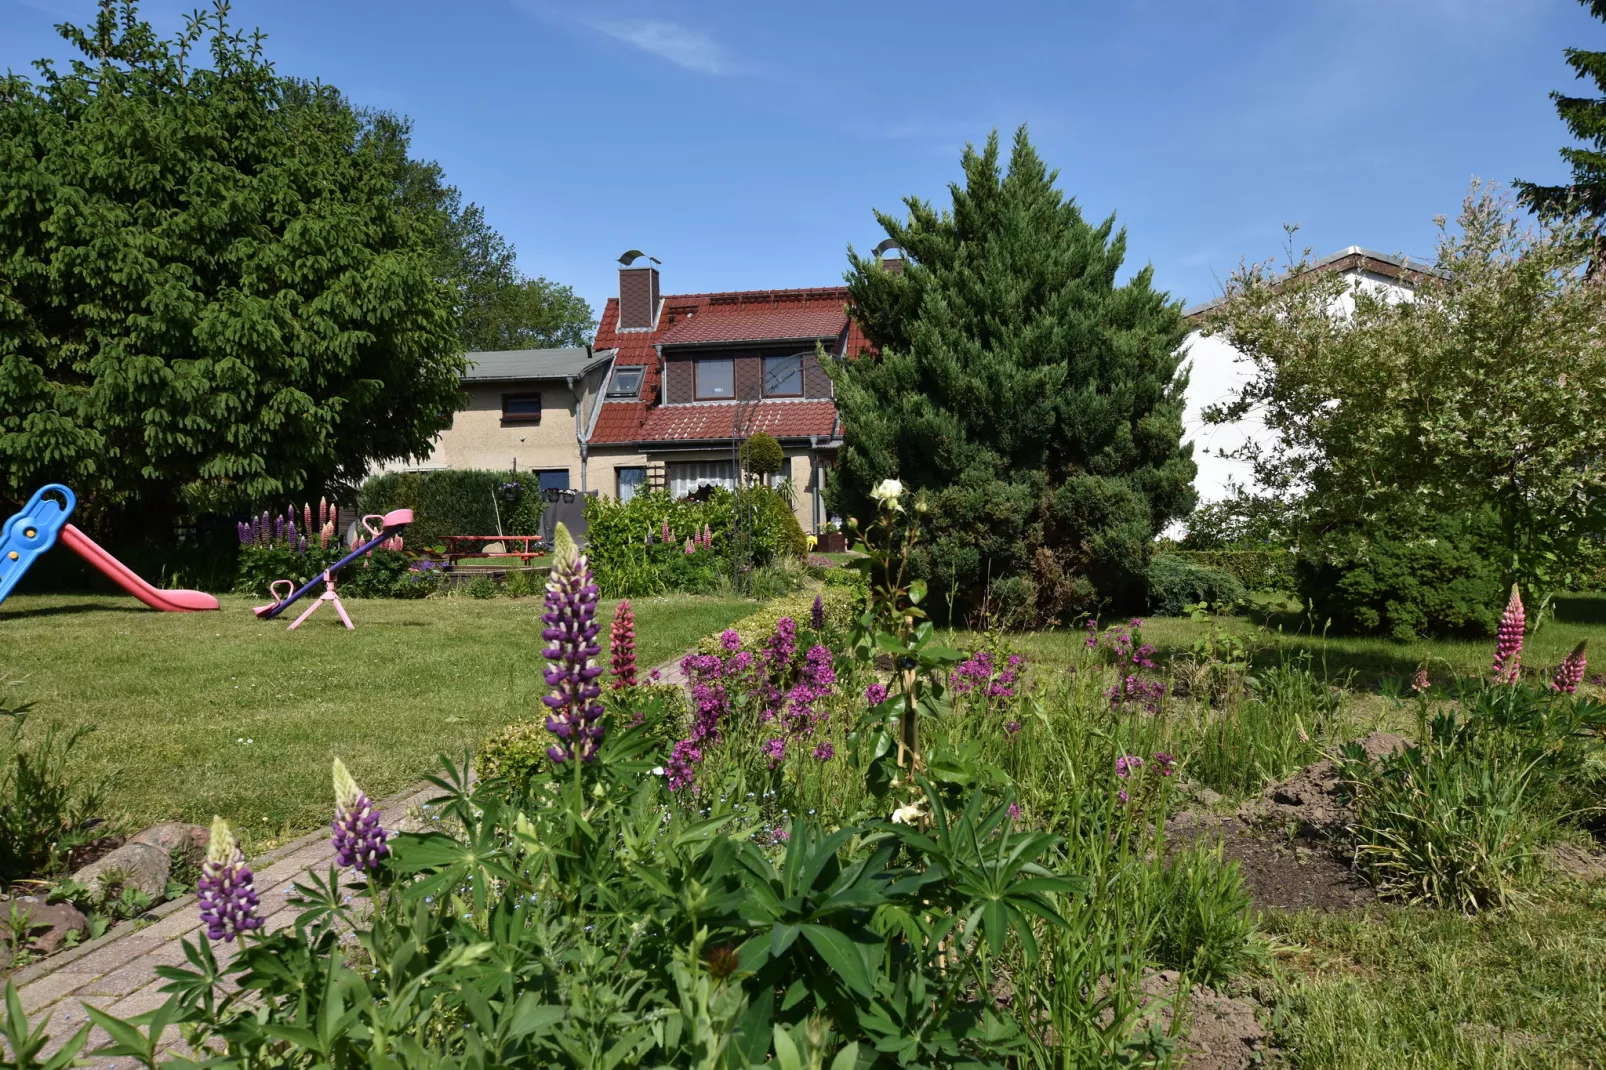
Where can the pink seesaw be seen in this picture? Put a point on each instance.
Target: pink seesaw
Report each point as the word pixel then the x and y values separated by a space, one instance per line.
pixel 389 526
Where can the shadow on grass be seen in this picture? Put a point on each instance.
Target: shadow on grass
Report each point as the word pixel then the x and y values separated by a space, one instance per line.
pixel 1581 609
pixel 57 611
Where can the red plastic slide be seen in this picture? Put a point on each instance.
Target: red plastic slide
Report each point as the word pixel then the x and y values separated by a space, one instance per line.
pixel 123 576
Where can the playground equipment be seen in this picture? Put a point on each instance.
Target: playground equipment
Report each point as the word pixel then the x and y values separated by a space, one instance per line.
pixel 34 530
pixel 390 525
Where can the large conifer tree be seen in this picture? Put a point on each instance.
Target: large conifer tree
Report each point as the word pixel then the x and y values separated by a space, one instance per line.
pixel 1585 117
pixel 1037 402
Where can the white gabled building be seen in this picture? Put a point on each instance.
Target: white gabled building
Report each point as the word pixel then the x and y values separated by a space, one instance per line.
pixel 1219 371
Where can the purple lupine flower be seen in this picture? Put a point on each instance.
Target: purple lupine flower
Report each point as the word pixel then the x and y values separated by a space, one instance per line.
pixel 875 694
pixel 1570 673
pixel 359 838
pixel 226 891
pixel 1508 640
pixel 824 751
pixel 817 614
pixel 278 527
pixel 290 533
pixel 264 529
pixel 571 628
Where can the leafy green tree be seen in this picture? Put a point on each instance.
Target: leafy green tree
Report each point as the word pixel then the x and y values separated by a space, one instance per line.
pixel 1036 402
pixel 495 306
pixel 210 292
pixel 1585 117
pixel 1483 391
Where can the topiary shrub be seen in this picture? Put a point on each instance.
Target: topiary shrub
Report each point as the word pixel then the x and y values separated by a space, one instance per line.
pixel 515 752
pixel 1374 580
pixel 761 455
pixel 1176 583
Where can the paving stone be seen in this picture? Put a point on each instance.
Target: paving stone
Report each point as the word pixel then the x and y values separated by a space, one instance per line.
pixel 50 988
pixel 137 973
pixel 115 954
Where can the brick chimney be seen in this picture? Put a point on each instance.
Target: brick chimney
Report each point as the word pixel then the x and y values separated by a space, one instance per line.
pixel 892 265
pixel 638 292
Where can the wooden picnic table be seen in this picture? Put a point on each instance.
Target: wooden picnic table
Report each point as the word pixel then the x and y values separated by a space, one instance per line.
pixel 459 547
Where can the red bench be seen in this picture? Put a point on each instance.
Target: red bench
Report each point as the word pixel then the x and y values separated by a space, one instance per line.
pixel 462 547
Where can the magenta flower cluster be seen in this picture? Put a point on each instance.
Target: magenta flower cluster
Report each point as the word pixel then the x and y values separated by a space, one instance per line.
pixel 1128 766
pixel 575 712
pixel 710 676
pixel 1137 691
pixel 1570 673
pixel 794 709
pixel 1508 640
pixel 875 694
pixel 981 674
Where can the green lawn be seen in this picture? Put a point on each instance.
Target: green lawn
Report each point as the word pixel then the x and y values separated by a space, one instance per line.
pixel 1371 659
pixel 173 695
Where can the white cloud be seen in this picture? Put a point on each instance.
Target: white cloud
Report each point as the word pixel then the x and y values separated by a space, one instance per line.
pixel 683 47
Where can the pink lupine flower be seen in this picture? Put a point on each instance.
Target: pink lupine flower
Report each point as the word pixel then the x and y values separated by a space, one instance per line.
pixel 1508 641
pixel 1420 684
pixel 1571 671
pixel 622 645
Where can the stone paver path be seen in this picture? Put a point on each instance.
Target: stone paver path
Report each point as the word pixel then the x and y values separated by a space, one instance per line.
pixel 116 973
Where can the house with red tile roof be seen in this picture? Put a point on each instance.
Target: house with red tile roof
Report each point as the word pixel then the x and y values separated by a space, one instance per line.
pixel 693 375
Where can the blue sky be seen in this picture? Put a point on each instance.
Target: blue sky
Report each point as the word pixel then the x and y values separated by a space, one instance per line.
pixel 745 144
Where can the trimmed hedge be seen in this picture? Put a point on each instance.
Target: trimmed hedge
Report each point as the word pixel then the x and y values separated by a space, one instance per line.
pixel 1176 583
pixel 842 604
pixel 1268 569
pixel 455 502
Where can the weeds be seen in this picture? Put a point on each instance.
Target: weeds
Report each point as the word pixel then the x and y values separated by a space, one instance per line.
pixel 42 809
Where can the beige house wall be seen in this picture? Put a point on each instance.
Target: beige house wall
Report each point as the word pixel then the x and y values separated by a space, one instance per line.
pixel 480 438
pixel 603 464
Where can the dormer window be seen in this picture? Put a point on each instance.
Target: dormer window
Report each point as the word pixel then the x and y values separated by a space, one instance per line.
pixel 626 383
pixel 783 376
pixel 715 379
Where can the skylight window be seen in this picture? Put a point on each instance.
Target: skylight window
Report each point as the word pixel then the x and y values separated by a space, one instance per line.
pixel 626 382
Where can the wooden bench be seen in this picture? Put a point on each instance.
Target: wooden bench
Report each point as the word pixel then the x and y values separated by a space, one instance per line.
pixel 464 547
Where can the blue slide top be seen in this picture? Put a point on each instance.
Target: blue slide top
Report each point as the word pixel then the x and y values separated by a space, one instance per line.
pixel 32 532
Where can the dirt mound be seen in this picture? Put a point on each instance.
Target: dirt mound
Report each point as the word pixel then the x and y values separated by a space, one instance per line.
pixel 1280 873
pixel 1311 798
pixel 1223 1033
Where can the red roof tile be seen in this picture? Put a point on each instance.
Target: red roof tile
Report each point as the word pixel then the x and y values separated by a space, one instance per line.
pixel 700 423
pixel 711 318
pixel 760 324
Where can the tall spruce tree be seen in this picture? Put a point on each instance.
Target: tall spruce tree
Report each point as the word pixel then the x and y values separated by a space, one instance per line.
pixel 1585 195
pixel 1035 401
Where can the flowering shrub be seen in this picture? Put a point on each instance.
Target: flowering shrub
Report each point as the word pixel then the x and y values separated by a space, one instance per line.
pixel 1124 648
pixel 298 546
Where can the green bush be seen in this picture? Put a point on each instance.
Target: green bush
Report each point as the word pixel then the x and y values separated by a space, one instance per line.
pixel 1378 580
pixel 482 587
pixel 1176 583
pixel 841 606
pixel 380 574
pixel 761 455
pixel 456 502
pixel 1268 568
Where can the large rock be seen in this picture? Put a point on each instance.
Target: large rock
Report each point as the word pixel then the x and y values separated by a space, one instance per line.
pixel 175 836
pixel 133 865
pixel 45 926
